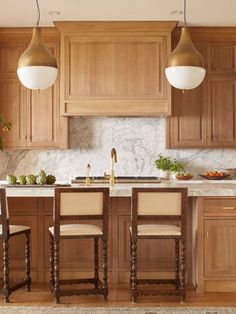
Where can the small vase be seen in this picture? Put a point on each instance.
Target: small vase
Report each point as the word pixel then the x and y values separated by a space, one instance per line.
pixel 164 174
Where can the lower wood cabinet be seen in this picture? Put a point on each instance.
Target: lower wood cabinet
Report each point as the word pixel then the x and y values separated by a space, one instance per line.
pixel 215 244
pixel 219 248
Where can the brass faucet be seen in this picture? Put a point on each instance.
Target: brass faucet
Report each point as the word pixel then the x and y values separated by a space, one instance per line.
pixel 111 176
pixel 113 161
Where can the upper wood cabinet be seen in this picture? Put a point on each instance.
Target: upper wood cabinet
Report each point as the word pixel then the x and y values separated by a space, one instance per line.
pixel 206 116
pixel 35 116
pixel 115 68
pixel 221 58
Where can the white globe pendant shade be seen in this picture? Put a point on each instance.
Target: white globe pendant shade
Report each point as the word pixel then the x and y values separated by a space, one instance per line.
pixel 185 65
pixel 37 77
pixel 37 67
pixel 185 77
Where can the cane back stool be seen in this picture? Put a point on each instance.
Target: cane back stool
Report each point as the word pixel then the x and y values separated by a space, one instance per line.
pixel 79 204
pixel 166 209
pixel 6 233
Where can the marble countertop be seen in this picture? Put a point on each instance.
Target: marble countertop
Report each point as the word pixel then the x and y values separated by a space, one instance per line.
pixel 195 188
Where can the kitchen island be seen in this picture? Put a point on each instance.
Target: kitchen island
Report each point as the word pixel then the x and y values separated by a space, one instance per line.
pixel 211 235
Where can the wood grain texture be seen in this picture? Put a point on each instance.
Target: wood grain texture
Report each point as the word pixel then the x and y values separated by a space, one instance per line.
pixel 106 66
pixel 23 107
pixel 199 117
pixel 215 251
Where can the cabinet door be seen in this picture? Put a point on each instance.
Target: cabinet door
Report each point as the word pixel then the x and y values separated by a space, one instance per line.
pixel 221 58
pixel 43 117
pixel 43 113
pixel 188 125
pixel 9 56
pixel 222 93
pixel 219 248
pixel 13 108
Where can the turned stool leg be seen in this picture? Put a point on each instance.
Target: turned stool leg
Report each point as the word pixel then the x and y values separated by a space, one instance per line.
pixel 177 284
pixel 51 262
pixel 134 270
pixel 183 270
pixel 56 272
pixel 27 260
pixel 96 265
pixel 104 266
pixel 5 271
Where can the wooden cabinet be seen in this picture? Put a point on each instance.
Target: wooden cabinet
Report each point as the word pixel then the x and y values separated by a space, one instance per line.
pixel 200 116
pixel 115 68
pixel 221 57
pixel 35 116
pixel 215 250
pixel 219 251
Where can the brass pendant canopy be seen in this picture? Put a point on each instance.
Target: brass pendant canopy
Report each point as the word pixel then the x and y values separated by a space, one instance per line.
pixel 185 53
pixel 37 54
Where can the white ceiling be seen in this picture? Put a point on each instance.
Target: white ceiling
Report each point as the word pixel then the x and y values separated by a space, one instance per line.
pixel 199 12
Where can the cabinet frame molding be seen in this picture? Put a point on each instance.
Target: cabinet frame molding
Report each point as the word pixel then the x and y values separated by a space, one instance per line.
pixel 113 104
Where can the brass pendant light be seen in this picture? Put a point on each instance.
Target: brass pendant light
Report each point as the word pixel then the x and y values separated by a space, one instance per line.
pixel 185 65
pixel 37 67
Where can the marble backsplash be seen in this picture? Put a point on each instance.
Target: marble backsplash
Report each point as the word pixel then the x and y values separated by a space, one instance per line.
pixel 138 142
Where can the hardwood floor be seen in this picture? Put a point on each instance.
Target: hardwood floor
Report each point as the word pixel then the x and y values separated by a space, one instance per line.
pixel 119 297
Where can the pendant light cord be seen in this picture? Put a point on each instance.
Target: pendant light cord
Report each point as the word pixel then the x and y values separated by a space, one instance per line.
pixel 37 3
pixel 185 23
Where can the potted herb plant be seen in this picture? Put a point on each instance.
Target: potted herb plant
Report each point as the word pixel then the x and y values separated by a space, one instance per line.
pixel 176 167
pixel 4 127
pixel 163 165
pixel 168 166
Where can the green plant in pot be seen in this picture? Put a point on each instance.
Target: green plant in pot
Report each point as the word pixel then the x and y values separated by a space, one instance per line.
pixel 176 167
pixel 167 165
pixel 164 164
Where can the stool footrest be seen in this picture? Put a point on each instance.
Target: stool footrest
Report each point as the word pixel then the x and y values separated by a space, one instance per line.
pixel 159 292
pixel 156 281
pixel 81 291
pixel 77 281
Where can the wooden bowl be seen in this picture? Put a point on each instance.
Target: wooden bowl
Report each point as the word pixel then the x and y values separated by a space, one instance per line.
pixel 189 177
pixel 226 175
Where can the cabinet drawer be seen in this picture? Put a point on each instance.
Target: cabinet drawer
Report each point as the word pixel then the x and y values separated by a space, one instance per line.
pixel 220 207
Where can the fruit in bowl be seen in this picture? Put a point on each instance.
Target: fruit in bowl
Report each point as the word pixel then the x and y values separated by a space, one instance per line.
pixel 183 176
pixel 214 175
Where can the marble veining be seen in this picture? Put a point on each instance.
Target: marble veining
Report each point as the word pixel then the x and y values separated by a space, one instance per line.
pixel 125 190
pixel 138 142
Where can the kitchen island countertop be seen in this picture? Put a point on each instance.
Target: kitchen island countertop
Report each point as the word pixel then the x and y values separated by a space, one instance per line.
pixel 195 188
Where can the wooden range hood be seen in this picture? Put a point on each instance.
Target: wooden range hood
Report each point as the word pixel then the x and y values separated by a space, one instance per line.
pixel 115 68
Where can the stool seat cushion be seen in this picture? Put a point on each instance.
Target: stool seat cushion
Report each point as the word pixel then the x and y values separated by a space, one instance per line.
pixel 158 230
pixel 78 229
pixel 15 229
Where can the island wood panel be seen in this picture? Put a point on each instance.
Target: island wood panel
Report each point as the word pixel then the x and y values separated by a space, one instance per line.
pixel 214 245
pixel 156 258
pixel 219 252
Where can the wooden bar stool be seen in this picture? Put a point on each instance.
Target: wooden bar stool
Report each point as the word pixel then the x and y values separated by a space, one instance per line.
pixel 6 232
pixel 79 204
pixel 168 207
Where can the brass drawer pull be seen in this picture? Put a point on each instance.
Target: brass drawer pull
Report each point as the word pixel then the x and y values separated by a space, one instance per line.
pixel 228 207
